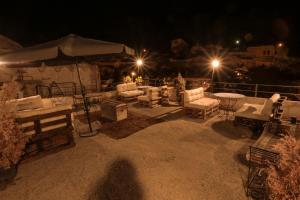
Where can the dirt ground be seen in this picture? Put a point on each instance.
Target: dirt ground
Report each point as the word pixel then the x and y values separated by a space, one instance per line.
pixel 178 159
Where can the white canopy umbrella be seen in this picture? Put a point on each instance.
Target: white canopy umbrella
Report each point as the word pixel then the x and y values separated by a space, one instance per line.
pixel 69 49
pixel 71 46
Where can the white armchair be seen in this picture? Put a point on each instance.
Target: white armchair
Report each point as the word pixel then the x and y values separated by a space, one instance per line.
pixel 199 105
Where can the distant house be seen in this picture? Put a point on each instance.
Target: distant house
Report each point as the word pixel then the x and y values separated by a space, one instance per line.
pixel 268 51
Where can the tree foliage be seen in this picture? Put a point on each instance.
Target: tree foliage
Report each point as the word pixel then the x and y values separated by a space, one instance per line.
pixel 12 142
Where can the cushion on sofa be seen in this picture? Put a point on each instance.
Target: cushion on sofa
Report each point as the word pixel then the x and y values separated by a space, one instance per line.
pixel 27 103
pixel 146 98
pixel 121 87
pixel 268 106
pixel 132 93
pixel 131 86
pixel 192 95
pixel 202 103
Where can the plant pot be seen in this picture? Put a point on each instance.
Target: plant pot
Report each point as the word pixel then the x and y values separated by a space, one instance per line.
pixel 8 174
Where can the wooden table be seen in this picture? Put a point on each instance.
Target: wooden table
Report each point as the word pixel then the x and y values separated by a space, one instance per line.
pixel 229 101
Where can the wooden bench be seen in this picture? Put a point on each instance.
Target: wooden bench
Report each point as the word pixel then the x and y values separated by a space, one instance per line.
pixel 260 155
pixel 47 130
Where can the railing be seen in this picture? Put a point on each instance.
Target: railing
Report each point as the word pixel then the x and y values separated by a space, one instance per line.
pixel 57 89
pixel 258 90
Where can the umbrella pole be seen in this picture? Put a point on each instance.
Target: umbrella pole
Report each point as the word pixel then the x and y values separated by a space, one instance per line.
pixel 85 103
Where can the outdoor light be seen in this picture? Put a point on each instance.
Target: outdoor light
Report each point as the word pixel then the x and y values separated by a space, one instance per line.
pixel 280 44
pixel 132 74
pixel 139 62
pixel 237 42
pixel 215 63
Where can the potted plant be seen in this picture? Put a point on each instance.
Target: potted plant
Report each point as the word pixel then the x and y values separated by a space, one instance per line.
pixel 127 79
pixel 12 142
pixel 139 80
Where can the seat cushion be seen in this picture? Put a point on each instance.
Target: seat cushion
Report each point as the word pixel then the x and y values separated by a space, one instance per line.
pixel 203 103
pixel 121 87
pixel 28 103
pixel 132 93
pixel 192 95
pixel 252 111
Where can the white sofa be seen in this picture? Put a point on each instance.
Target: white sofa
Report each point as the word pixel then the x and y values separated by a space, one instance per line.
pixel 198 104
pixel 43 120
pixel 128 91
pixel 256 111
pixel 151 98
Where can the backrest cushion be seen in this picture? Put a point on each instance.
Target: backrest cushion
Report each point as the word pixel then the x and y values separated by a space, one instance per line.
pixel 268 106
pixel 131 86
pixel 28 103
pixel 193 95
pixel 121 87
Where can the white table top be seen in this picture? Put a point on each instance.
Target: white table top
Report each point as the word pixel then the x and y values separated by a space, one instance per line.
pixel 229 95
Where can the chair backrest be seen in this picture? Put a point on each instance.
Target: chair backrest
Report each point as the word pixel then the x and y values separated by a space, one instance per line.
pixel 131 86
pixel 268 106
pixel 28 103
pixel 126 87
pixel 193 95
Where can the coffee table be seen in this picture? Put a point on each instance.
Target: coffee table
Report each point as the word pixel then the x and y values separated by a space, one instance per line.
pixel 228 101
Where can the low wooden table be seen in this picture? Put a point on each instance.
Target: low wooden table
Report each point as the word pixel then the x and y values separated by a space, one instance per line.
pixel 113 110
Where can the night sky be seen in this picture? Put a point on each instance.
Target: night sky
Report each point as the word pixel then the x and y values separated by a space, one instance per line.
pixel 153 24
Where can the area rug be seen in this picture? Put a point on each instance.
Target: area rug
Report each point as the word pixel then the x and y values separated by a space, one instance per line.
pixel 126 127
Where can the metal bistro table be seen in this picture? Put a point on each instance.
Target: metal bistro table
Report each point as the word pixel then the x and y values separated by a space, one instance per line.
pixel 228 101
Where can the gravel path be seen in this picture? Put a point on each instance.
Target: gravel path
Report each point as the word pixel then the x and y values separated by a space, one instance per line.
pixel 177 159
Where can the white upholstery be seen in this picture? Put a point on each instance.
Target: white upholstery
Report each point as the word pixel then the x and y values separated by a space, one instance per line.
pixel 27 103
pixel 192 95
pixel 128 90
pixel 132 93
pixel 126 87
pixel 195 99
pixel 202 103
pixel 252 111
pixel 267 110
pixel 258 111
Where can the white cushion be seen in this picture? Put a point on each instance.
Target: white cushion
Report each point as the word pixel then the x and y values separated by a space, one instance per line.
pixel 203 103
pixel 131 86
pixel 27 103
pixel 126 87
pixel 252 111
pixel 268 106
pixel 121 88
pixel 131 93
pixel 192 95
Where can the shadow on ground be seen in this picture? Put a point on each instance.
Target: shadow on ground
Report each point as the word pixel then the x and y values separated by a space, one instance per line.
pixel 120 183
pixel 229 130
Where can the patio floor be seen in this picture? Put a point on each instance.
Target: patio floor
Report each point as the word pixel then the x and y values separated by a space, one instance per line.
pixel 180 158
